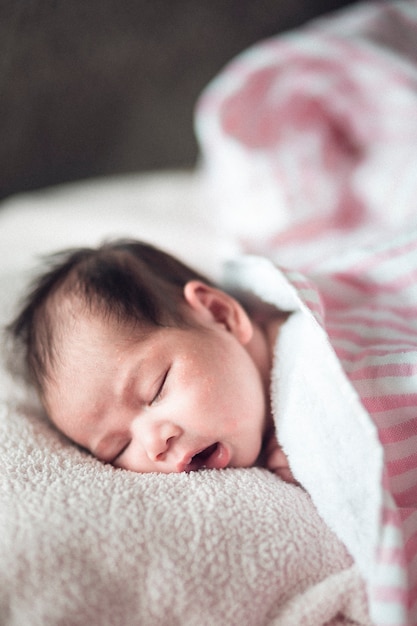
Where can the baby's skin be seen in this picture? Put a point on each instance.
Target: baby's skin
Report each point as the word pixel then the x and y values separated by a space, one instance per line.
pixel 168 399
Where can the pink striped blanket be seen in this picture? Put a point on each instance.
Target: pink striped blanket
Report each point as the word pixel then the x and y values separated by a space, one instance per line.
pixel 309 143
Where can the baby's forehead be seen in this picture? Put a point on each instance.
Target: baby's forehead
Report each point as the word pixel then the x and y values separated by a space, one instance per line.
pixel 89 319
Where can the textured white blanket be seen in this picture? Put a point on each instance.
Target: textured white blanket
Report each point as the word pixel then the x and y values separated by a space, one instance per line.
pixel 83 543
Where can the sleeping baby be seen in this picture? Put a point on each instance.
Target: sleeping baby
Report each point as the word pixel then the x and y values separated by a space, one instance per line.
pixel 148 365
pixel 152 368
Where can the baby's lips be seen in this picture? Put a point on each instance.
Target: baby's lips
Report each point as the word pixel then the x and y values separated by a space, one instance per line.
pixel 219 459
pixel 184 465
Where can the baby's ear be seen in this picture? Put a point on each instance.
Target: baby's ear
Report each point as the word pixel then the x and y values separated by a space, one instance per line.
pixel 214 305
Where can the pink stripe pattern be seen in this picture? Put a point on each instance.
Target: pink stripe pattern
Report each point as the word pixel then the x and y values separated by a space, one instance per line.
pixel 381 362
pixel 309 143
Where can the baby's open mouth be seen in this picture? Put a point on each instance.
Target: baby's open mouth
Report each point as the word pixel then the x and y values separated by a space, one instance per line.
pixel 212 457
pixel 200 459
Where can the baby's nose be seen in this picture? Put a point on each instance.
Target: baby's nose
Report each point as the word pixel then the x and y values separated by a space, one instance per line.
pixel 158 439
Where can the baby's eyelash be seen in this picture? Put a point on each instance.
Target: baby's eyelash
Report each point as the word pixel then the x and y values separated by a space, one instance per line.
pixel 160 388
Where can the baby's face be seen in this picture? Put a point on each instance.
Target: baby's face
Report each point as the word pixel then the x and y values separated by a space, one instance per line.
pixel 172 400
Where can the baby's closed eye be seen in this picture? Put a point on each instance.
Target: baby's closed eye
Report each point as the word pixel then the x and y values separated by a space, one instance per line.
pixel 160 388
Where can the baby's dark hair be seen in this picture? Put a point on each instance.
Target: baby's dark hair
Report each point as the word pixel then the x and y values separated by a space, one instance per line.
pixel 126 280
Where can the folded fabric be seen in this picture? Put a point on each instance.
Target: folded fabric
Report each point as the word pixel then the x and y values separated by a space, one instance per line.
pixel 344 398
pixel 309 146
pixel 310 138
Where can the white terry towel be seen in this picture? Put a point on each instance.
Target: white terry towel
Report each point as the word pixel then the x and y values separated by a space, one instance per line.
pixel 82 543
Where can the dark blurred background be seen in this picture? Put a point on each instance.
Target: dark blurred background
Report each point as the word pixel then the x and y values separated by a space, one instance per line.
pixel 96 87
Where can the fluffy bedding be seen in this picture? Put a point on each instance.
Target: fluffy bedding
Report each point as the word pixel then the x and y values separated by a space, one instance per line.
pixel 81 542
